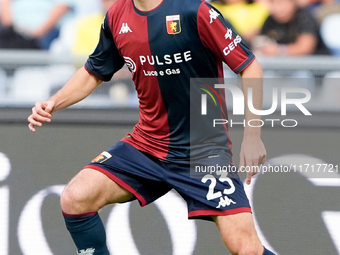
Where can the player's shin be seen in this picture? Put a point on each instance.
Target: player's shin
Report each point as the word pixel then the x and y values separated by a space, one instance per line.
pixel 88 233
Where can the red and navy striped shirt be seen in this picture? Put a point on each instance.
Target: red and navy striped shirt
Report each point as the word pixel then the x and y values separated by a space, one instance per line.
pixel 164 48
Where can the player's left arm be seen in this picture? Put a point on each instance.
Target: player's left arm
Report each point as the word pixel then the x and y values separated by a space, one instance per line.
pixel 253 152
pixel 218 35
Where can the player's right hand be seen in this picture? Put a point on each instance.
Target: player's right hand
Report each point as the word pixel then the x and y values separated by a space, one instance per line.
pixel 41 112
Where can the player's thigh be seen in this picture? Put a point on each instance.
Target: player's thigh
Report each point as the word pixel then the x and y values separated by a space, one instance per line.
pixel 90 190
pixel 238 233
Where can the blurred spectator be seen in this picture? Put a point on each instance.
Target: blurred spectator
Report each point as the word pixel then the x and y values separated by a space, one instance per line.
pixel 79 36
pixel 245 16
pixel 310 5
pixel 326 8
pixel 87 30
pixel 32 23
pixel 87 7
pixel 289 30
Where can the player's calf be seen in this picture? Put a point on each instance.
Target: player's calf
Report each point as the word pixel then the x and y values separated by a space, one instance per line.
pixel 88 233
pixel 86 193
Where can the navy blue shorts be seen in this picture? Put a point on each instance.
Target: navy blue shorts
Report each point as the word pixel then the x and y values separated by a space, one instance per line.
pixel 149 178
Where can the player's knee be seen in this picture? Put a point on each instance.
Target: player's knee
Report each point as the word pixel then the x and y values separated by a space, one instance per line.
pixel 74 202
pixel 67 201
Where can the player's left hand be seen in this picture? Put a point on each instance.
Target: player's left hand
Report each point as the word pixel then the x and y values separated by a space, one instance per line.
pixel 252 154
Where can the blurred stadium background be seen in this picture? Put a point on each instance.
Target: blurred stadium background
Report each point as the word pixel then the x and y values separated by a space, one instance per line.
pixel 296 214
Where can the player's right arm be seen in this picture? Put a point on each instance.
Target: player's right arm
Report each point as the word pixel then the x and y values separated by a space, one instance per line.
pixel 79 86
pixel 100 66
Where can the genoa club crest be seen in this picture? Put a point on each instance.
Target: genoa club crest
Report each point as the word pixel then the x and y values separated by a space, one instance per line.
pixel 173 24
pixel 102 157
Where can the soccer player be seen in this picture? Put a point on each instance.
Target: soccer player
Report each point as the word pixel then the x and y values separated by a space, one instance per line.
pixel 164 43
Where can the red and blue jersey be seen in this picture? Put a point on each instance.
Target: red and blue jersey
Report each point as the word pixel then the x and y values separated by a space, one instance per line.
pixel 164 48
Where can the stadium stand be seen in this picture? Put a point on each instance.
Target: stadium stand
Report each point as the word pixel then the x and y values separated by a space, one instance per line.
pixel 26 76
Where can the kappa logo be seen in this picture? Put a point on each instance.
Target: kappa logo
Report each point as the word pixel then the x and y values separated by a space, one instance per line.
pixel 88 251
pixel 213 15
pixel 226 201
pixel 125 29
pixel 229 34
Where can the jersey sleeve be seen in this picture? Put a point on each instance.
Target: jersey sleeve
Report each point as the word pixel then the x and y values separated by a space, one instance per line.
pixel 218 35
pixel 105 60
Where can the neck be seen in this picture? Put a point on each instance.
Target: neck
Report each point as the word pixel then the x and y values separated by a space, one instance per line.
pixel 146 5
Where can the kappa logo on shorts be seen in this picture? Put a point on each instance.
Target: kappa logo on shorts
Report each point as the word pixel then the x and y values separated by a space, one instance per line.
pixel 173 24
pixel 101 158
pixel 226 201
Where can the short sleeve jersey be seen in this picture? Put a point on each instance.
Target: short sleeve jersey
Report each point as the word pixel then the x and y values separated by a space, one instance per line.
pixel 164 48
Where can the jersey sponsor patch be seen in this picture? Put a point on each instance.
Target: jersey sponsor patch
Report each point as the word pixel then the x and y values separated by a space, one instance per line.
pixel 130 64
pixel 102 157
pixel 232 45
pixel 173 24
